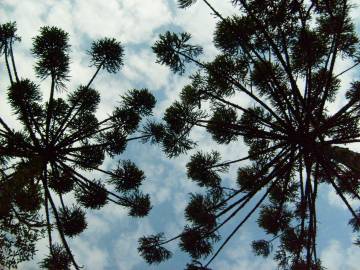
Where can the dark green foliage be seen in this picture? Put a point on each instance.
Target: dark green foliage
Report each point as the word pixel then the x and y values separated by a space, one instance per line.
pixel 223 68
pixel 85 120
pixel 126 119
pixel 51 49
pixel 261 247
pixel 200 169
pixel 29 198
pixel 221 125
pixel 150 249
pixel 138 203
pixel 115 142
pixel 5 206
pixel 141 101
pixel 174 144
pixel 190 95
pixel 154 131
pixel 178 116
pixel 15 250
pixel 7 36
pixel 107 53
pixel 172 49
pixel 92 195
pixel 90 156
pixel 302 264
pixel 249 178
pixel 197 242
pixel 85 98
pixel 349 182
pixel 308 49
pixel 58 260
pixel 58 140
pixel 293 241
pixel 200 211
pixel 264 72
pixel 321 79
pixel 232 33
pixel 127 176
pixel 330 26
pixel 273 219
pixel 186 3
pixel 271 85
pixel 23 94
pixel 354 92
pixel 61 182
pixel 355 223
pixel 72 221
pixel 195 265
pixel 60 109
pixel 283 191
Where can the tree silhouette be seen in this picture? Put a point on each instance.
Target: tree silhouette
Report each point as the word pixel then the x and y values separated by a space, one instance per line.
pixel 58 141
pixel 282 55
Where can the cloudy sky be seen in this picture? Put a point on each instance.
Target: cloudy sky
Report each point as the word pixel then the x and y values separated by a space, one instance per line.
pixel 110 241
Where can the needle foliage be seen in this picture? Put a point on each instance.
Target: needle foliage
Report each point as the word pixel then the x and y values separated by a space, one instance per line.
pixel 284 57
pixel 58 142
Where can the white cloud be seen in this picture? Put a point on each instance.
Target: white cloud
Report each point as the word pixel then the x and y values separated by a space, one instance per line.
pixel 140 67
pixel 88 254
pixel 130 21
pixel 125 254
pixel 200 22
pixel 335 200
pixel 135 22
pixel 238 255
pixel 338 257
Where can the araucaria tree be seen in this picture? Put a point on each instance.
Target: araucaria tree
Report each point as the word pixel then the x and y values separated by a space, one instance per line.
pixel 59 140
pixel 281 55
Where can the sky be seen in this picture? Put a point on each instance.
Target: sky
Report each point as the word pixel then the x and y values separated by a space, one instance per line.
pixel 110 241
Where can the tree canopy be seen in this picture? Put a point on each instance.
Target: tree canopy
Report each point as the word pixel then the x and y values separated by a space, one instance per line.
pixel 282 55
pixel 59 140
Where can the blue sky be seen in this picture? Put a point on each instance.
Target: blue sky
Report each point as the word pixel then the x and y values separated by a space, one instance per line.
pixel 110 241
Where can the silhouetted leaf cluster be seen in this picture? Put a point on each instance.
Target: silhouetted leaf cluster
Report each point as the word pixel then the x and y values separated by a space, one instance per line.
pixel 59 139
pixel 283 57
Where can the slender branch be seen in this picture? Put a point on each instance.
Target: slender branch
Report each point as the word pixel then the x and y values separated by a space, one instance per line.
pixel 276 159
pixel 5 126
pixel 235 83
pixel 64 124
pixel 59 226
pixel 238 226
pixel 79 135
pixel 251 212
pixel 267 123
pixel 50 108
pixel 13 61
pixel 346 70
pixel 92 167
pixel 244 130
pixel 123 200
pixel 7 64
pixel 48 224
pixel 330 121
pixel 26 222
pixel 249 156
pixel 287 68
pixel 73 149
pixel 213 9
pixel 337 189
pixel 333 59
